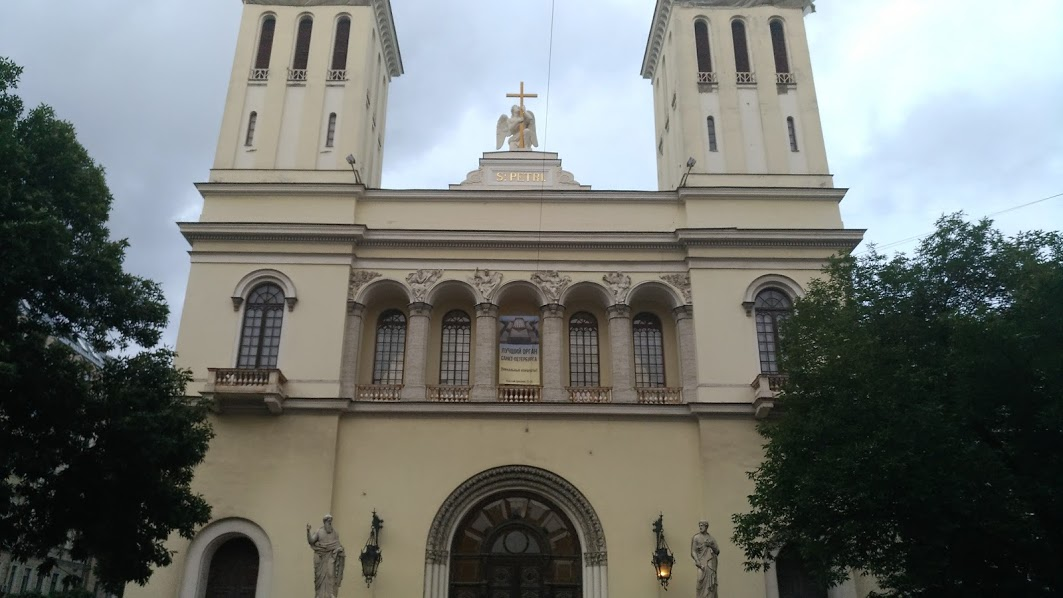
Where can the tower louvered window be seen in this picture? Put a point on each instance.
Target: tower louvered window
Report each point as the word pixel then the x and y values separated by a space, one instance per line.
pixel 778 45
pixel 339 49
pixel 738 33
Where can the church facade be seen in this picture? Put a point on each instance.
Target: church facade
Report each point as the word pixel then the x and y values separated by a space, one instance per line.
pixel 518 403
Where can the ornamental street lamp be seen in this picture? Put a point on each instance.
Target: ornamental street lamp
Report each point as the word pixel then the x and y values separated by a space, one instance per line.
pixel 371 556
pixel 662 557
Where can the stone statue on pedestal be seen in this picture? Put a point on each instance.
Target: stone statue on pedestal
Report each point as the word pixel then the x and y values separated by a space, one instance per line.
pixel 510 126
pixel 329 559
pixel 705 552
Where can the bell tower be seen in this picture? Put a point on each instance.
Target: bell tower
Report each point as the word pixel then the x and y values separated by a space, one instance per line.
pixel 309 88
pixel 733 90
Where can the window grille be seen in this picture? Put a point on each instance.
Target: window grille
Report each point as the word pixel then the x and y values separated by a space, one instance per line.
pixel 390 348
pixel 583 363
pixel 701 46
pixel 302 44
pixel 260 339
pixel 778 46
pixel 793 133
pixel 738 33
pixel 339 49
pixel 649 351
pixel 330 134
pixel 265 43
pixel 712 134
pixel 772 307
pixel 455 350
pixel 251 122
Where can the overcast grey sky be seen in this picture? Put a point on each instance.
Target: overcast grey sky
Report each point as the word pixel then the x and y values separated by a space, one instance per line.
pixel 928 106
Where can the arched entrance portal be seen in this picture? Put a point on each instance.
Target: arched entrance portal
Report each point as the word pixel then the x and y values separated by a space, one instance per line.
pixel 233 570
pixel 515 545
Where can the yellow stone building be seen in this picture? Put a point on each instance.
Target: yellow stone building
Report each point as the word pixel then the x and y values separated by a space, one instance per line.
pixel 518 402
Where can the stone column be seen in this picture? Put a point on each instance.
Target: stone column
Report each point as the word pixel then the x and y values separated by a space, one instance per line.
pixel 416 352
pixel 352 345
pixel 688 351
pixel 552 352
pixel 620 342
pixel 485 372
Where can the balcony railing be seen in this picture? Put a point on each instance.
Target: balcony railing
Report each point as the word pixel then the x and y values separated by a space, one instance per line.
pixel 336 75
pixel 520 394
pixel 246 388
pixel 297 75
pixel 785 79
pixel 746 78
pixel 706 77
pixel 258 75
pixel 448 394
pixel 590 394
pixel 766 388
pixel 659 396
pixel 379 392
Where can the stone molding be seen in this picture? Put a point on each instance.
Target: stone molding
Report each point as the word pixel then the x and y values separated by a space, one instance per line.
pixel 552 310
pixel 420 309
pixel 207 541
pixel 486 310
pixel 618 311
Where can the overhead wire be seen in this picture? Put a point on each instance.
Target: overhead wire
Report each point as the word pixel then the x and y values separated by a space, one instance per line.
pixel 546 130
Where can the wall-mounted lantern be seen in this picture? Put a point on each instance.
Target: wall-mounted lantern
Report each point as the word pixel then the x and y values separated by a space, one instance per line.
pixel 662 557
pixel 371 556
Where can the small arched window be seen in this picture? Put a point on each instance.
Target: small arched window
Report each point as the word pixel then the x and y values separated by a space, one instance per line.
pixel 390 351
pixel 712 133
pixel 772 306
pixel 792 131
pixel 738 34
pixel 265 42
pixel 330 133
pixel 339 49
pixel 649 351
pixel 583 350
pixel 701 45
pixel 252 121
pixel 302 43
pixel 778 45
pixel 455 349
pixel 261 337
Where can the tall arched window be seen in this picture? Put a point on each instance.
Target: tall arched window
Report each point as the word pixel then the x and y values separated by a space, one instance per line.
pixel 701 45
pixel 265 43
pixel 302 43
pixel 583 350
pixel 778 45
pixel 390 348
pixel 738 33
pixel 252 121
pixel 792 131
pixel 261 337
pixel 233 569
pixel 712 134
pixel 455 349
pixel 330 133
pixel 772 307
pixel 339 48
pixel 649 351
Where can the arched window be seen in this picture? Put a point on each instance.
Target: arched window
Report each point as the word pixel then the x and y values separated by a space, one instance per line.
pixel 233 569
pixel 794 580
pixel 738 33
pixel 792 131
pixel 302 44
pixel 339 49
pixel 455 348
pixel 261 337
pixel 772 307
pixel 390 347
pixel 330 133
pixel 251 122
pixel 649 351
pixel 778 45
pixel 701 45
pixel 265 43
pixel 583 350
pixel 712 134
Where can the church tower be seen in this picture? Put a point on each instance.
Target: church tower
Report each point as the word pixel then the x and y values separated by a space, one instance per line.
pixel 732 89
pixel 309 88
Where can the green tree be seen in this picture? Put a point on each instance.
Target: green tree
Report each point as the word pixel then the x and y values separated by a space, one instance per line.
pixel 921 433
pixel 102 453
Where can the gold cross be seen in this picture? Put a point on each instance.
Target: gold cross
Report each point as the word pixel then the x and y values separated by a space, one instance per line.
pixel 522 95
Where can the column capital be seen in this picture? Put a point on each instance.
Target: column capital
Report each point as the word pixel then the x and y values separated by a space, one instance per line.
pixel 355 309
pixel 486 310
pixel 619 310
pixel 420 308
pixel 683 312
pixel 552 310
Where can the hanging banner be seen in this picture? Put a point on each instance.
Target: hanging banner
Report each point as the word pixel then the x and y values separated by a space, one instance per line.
pixel 518 350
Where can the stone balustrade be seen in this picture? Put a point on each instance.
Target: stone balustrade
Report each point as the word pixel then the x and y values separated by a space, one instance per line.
pixel 590 394
pixel 520 394
pixel 659 396
pixel 448 394
pixel 379 392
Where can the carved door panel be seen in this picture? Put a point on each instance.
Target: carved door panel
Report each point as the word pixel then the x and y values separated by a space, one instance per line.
pixel 516 579
pixel 233 570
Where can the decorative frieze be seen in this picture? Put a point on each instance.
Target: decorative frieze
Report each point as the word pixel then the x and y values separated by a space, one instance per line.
pixel 552 283
pixel 486 282
pixel 681 282
pixel 358 279
pixel 619 284
pixel 422 280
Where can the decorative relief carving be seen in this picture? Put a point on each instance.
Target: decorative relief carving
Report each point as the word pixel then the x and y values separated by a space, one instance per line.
pixel 358 279
pixel 436 556
pixel 552 310
pixel 486 282
pixel 595 559
pixel 681 282
pixel 420 281
pixel 619 283
pixel 552 282
pixel 420 309
pixel 486 310
pixel 618 311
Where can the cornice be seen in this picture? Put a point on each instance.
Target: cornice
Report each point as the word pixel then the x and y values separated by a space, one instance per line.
pixel 258 232
pixel 845 239
pixel 257 190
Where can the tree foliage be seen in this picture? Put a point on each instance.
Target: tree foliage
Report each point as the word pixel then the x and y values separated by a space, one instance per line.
pixel 921 434
pixel 98 453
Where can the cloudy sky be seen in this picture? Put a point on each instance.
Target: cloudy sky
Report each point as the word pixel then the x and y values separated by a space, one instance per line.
pixel 928 106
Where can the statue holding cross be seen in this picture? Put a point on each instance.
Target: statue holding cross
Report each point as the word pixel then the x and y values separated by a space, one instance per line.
pixel 519 126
